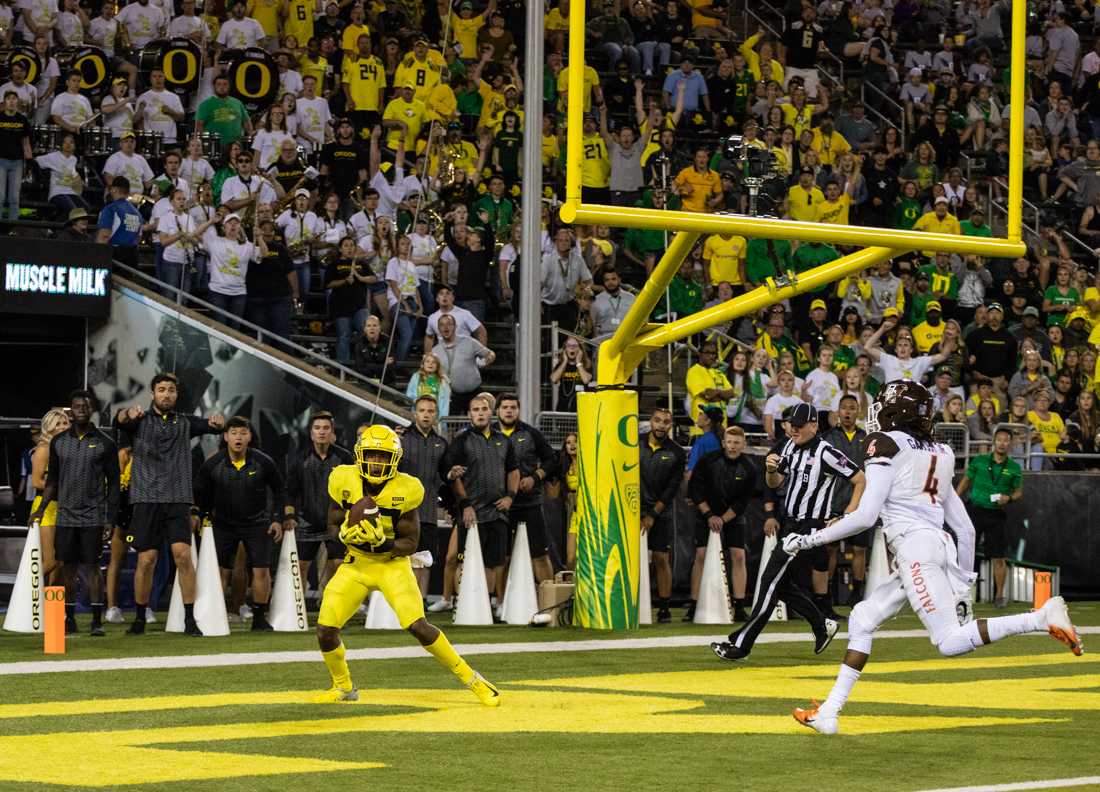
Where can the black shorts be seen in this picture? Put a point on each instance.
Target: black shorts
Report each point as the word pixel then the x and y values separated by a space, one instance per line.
pixel 258 545
pixel 493 536
pixel 151 524
pixel 989 524
pixel 818 557
pixel 427 538
pixel 308 549
pixel 82 545
pixel 733 532
pixel 659 537
pixel 533 517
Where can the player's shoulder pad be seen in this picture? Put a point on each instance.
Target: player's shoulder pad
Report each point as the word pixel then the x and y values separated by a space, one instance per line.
pixel 344 484
pixel 879 445
pixel 403 492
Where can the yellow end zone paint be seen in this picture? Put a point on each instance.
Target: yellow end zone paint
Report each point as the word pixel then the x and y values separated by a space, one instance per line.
pixel 624 706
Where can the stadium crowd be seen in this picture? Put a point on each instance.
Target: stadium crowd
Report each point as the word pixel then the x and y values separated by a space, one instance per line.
pixel 378 193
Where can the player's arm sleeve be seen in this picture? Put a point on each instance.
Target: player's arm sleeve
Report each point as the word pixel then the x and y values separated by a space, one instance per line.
pixel 880 475
pixel 954 512
pixel 200 426
pixel 838 463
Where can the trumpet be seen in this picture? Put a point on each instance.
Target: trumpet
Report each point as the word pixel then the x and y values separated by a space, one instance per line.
pixel 122 37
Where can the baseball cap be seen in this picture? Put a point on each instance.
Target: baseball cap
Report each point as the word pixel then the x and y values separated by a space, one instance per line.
pixel 1031 310
pixel 808 170
pixel 231 216
pixel 915 71
pixel 942 199
pixel 933 305
pixel 890 312
pixel 121 182
pixel 943 370
pixel 454 125
pixel 1079 313
pixel 301 191
pixel 409 84
pixel 817 304
pixel 995 306
pixel 591 117
pixel 715 414
pixel 802 414
pixel 126 134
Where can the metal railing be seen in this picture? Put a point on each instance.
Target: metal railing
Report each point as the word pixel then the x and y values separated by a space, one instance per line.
pixel 900 126
pixel 1027 206
pixel 955 435
pixel 836 79
pixel 264 336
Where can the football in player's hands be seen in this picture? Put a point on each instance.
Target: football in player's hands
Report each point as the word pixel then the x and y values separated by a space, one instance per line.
pixel 363 509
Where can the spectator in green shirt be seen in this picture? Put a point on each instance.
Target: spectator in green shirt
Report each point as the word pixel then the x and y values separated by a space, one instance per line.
pixel 494 209
pixel 808 256
pixel 919 299
pixel 942 280
pixel 223 115
pixel 764 256
pixel 908 208
pixel 994 481
pixel 1060 298
pixel 976 225
pixel 685 295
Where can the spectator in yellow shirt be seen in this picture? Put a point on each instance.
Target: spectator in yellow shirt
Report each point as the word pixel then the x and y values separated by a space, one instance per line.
pixel 556 23
pixel 724 260
pixel 804 198
pixel 707 385
pixel 834 209
pixel 465 27
pixel 356 28
pixel 763 64
pixel 698 186
pixel 938 221
pixel 929 332
pixel 1049 425
pixel 827 142
pixel 591 88
pixel 423 67
pixel 403 118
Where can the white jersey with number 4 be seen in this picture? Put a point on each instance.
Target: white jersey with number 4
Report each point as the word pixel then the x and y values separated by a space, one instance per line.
pixel 922 472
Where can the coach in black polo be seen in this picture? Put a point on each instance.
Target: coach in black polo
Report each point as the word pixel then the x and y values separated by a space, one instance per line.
pixel 660 472
pixel 424 447
pixel 242 489
pixel 84 478
pixel 810 467
pixel 160 491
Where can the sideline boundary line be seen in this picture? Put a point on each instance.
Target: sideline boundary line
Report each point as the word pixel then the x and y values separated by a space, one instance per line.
pixel 1054 783
pixel 407 652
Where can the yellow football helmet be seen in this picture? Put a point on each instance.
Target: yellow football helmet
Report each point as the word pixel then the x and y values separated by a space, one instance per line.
pixel 374 441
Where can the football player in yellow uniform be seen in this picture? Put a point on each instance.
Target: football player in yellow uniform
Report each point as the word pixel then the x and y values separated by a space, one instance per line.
pixel 376 508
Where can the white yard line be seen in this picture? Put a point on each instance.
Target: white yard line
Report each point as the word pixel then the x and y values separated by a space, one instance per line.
pixel 412 651
pixel 1054 783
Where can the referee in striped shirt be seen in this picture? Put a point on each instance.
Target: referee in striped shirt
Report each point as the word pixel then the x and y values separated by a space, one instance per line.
pixel 810 467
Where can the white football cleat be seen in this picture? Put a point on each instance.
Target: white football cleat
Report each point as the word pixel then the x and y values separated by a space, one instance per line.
pixel 1054 616
pixel 113 616
pixel 150 616
pixel 246 613
pixel 440 605
pixel 810 718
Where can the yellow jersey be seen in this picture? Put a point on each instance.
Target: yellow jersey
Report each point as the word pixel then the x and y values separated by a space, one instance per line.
pixel 591 80
pixel 553 20
pixel 400 495
pixel 462 155
pixel 596 166
pixel 725 257
pixel 441 104
pixel 412 113
pixel 697 19
pixel 700 379
pixel 365 78
pixel 551 150
pixel 424 75
pixel 492 104
pixel 653 137
pixel 464 34
pixel 703 186
pixel 1050 429
pixel 802 204
pixel 925 336
pixel 266 12
pixel 835 212
pixel 317 69
pixel 799 119
pixel 829 147
pixel 348 42
pixel 930 224
pixel 299 23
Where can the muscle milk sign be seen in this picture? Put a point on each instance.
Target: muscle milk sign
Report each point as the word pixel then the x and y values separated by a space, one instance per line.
pixel 59 278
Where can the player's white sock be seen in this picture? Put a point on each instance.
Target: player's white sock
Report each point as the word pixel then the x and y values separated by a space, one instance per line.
pixel 1004 626
pixel 838 696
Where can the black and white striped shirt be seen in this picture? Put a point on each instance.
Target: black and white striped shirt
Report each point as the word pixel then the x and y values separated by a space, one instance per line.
pixel 811 471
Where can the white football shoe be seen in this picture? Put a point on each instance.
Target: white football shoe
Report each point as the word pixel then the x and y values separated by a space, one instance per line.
pixel 113 616
pixel 440 605
pixel 246 613
pixel 150 616
pixel 810 718
pixel 1054 616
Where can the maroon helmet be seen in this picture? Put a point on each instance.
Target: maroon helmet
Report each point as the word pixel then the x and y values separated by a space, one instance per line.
pixel 903 405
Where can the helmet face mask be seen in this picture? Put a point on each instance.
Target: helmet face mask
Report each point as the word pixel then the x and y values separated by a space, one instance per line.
pixel 377 453
pixel 902 405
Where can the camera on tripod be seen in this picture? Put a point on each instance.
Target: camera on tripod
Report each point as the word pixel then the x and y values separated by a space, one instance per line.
pixel 757 171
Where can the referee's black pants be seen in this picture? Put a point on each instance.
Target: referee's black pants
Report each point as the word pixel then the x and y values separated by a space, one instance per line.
pixel 779 583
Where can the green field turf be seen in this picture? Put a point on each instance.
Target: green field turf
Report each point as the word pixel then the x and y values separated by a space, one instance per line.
pixel 656 718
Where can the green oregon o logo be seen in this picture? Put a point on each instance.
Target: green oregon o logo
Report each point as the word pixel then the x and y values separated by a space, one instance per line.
pixel 180 67
pixel 242 79
pixel 628 430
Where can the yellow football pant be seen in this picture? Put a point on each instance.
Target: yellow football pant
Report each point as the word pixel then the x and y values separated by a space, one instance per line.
pixel 358 576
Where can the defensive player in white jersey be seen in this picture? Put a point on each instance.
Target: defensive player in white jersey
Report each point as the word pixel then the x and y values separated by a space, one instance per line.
pixel 909 486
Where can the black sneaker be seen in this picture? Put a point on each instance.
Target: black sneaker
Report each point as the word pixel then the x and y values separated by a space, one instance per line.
pixel 70 627
pixel 261 625
pixel 740 614
pixel 192 629
pixel 97 631
pixel 664 616
pixel 689 614
pixel 825 637
pixel 136 628
pixel 728 651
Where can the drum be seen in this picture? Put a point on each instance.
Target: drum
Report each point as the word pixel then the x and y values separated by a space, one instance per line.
pixel 96 141
pixel 212 146
pixel 47 138
pixel 150 144
pixel 91 62
pixel 253 78
pixel 27 56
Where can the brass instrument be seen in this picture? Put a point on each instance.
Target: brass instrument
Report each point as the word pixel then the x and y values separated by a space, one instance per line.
pixel 122 37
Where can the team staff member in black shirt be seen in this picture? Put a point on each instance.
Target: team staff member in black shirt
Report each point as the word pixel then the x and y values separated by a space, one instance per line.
pixel 160 492
pixel 809 467
pixel 424 447
pixel 272 286
pixel 83 477
pixel 721 485
pixel 536 460
pixel 993 349
pixel 15 148
pixel 847 438
pixel 236 486
pixel 307 495
pixel 343 165
pixel 661 468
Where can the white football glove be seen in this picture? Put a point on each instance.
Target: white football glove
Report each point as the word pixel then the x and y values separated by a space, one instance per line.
pixel 794 543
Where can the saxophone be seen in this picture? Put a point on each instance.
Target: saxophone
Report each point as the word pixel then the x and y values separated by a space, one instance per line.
pixel 122 37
